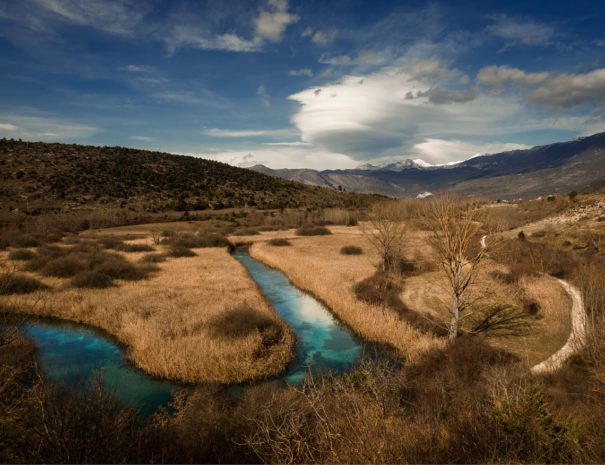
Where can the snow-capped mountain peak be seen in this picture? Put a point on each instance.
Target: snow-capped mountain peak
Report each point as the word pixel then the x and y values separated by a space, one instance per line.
pixel 398 165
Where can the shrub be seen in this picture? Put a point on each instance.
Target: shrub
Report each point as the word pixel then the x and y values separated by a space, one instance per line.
pixel 242 321
pixel 93 279
pixel 118 268
pixel 153 258
pixel 110 242
pixel 279 242
pixel 177 252
pixel 134 248
pixel 377 289
pixel 192 242
pixel 22 254
pixel 26 240
pixel 312 231
pixel 351 250
pixel 64 267
pixel 246 232
pixel 11 283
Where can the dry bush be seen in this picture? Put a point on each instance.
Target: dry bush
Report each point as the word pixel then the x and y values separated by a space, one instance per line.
pixel 197 241
pixel 279 242
pixel 243 321
pixel 124 247
pixel 312 231
pixel 153 258
pixel 14 283
pixel 92 279
pixel 21 255
pixel 110 242
pixel 179 251
pixel 351 250
pixel 246 232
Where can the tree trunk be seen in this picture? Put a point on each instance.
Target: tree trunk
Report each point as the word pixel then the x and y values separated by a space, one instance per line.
pixel 455 323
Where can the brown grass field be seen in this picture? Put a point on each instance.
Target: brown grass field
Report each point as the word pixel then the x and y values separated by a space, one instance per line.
pixel 169 320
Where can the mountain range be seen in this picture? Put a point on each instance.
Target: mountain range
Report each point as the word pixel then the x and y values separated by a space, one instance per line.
pixel 560 167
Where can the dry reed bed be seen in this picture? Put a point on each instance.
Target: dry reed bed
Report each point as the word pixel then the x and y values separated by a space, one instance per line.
pixel 316 265
pixel 166 320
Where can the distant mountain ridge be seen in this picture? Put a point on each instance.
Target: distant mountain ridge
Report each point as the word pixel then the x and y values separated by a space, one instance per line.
pixel 562 166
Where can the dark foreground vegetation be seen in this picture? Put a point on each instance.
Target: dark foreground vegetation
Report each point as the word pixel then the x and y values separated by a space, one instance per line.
pixel 465 403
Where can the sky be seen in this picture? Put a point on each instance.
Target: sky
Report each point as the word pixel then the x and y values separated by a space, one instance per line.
pixel 311 84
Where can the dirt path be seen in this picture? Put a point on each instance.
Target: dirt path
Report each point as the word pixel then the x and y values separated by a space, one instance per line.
pixel 577 337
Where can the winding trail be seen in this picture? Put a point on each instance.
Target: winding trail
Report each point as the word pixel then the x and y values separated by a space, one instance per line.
pixel 577 337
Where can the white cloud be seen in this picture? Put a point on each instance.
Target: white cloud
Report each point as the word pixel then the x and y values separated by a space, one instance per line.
pixel 371 116
pixel 301 72
pixel 438 151
pixel 272 22
pixel 262 94
pixel 428 69
pixel 142 138
pixel 283 157
pixel 118 17
pixel 319 37
pixel 269 26
pixel 568 90
pixel 138 68
pixel 521 31
pixel 8 127
pixel 505 75
pixel 44 128
pixel 192 36
pixel 248 133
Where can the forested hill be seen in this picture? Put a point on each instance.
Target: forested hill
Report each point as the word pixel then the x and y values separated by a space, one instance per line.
pixel 42 177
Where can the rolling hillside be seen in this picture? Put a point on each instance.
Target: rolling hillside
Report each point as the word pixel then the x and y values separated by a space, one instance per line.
pixel 40 177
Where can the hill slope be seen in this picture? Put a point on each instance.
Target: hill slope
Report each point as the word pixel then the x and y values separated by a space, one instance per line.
pixel 43 177
pixel 540 170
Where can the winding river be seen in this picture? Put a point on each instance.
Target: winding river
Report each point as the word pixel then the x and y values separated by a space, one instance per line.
pixel 72 354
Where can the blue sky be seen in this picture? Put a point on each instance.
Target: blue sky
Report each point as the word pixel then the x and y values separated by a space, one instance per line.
pixel 319 84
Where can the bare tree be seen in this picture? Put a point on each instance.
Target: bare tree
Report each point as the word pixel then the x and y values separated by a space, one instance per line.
pixel 454 235
pixel 386 231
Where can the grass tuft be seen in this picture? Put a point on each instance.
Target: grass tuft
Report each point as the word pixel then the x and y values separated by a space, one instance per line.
pixel 351 250
pixel 153 258
pixel 179 251
pixel 279 242
pixel 92 279
pixel 313 231
pixel 21 255
pixel 11 283
pixel 242 321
